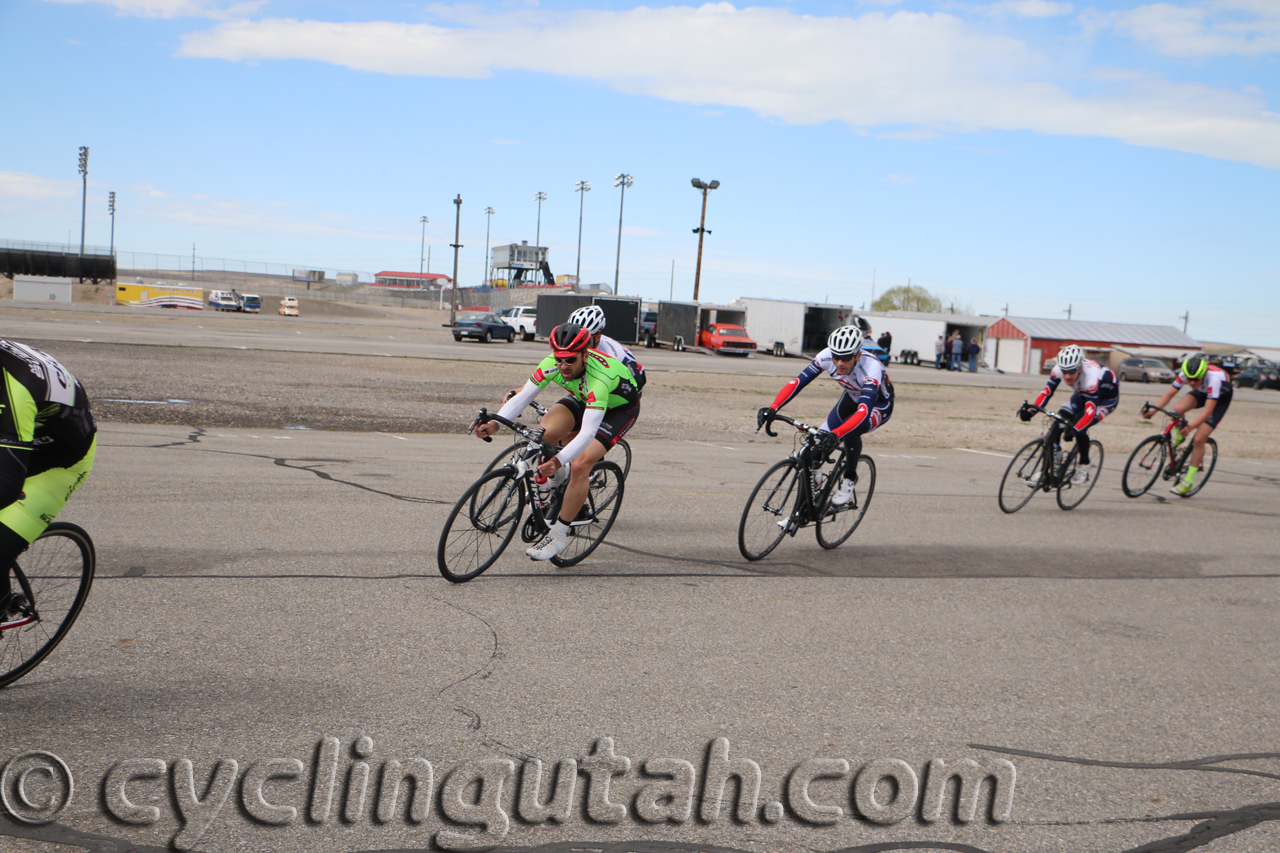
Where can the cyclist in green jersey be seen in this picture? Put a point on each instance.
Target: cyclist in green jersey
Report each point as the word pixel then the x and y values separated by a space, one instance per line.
pixel 601 406
pixel 47 443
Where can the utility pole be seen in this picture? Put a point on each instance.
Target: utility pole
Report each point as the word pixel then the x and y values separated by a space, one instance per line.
pixel 620 180
pixel 488 214
pixel 701 230
pixel 1006 309
pixel 540 197
pixel 581 187
pixel 84 199
pixel 457 231
pixel 423 250
pixel 111 208
pixel 1185 318
pixel 1068 312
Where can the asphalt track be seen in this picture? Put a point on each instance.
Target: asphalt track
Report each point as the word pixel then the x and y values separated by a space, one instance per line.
pixel 260 592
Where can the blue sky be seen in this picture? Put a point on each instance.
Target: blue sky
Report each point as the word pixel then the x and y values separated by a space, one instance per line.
pixel 1120 158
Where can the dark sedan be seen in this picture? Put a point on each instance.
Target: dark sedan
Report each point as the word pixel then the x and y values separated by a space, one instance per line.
pixel 482 327
pixel 1258 376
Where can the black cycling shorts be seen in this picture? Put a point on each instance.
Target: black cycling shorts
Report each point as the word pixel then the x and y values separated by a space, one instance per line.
pixel 617 422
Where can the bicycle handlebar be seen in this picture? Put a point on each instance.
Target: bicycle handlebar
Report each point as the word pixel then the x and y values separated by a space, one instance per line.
pixel 777 416
pixel 1147 407
pixel 1042 410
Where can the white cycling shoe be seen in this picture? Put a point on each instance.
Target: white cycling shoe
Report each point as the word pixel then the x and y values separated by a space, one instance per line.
pixel 550 545
pixel 1081 475
pixel 843 493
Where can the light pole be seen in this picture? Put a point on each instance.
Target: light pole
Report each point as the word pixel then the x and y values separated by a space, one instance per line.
pixel 423 251
pixel 457 231
pixel 540 197
pixel 701 230
pixel 111 208
pixel 582 188
pixel 84 198
pixel 488 212
pixel 624 181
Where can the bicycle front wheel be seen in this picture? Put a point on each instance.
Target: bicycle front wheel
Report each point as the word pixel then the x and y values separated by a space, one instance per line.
pixel 1206 465
pixel 604 498
pixel 1022 478
pixel 625 463
pixel 508 455
pixel 838 522
pixel 1071 495
pixel 53 578
pixel 769 510
pixel 480 525
pixel 1145 464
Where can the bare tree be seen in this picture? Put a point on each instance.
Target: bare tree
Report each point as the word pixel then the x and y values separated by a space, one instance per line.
pixel 907 297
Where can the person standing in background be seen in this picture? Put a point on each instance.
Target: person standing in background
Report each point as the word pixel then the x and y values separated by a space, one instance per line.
pixel 973 350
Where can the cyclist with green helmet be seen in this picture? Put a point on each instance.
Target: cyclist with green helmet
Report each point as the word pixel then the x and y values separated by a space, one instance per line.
pixel 602 405
pixel 1210 389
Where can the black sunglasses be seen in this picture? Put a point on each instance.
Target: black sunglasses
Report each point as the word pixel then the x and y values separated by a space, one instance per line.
pixel 565 359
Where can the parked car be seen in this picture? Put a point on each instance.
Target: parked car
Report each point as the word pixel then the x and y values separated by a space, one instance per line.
pixel 482 327
pixel 1144 370
pixel 1258 376
pixel 289 306
pixel 648 323
pixel 879 353
pixel 522 318
pixel 727 338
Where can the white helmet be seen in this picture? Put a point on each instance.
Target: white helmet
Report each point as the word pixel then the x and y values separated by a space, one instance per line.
pixel 1070 357
pixel 845 341
pixel 589 317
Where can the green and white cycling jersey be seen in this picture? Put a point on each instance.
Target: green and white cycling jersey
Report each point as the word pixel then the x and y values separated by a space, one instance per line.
pixel 606 385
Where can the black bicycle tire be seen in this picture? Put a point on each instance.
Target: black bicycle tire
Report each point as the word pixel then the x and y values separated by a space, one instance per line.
pixel 467 500
pixel 829 544
pixel 626 454
pixel 1205 473
pixel 1069 467
pixel 1029 447
pixel 88 562
pixel 613 505
pixel 792 495
pixel 1137 455
pixel 501 458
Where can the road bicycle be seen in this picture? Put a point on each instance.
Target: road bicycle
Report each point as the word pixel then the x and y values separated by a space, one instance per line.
pixel 510 454
pixel 486 517
pixel 1040 466
pixel 49 584
pixel 796 492
pixel 1156 458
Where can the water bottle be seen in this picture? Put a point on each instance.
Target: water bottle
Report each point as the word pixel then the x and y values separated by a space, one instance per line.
pixel 1057 460
pixel 543 488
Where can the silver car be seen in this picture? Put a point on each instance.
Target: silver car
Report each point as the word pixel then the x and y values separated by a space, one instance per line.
pixel 1144 370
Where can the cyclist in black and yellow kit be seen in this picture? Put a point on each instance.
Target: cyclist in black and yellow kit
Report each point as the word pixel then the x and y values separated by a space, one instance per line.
pixel 47 442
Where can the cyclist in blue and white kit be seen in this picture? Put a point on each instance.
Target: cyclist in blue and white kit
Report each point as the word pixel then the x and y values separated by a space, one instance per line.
pixel 1211 389
pixel 591 318
pixel 865 405
pixel 1096 393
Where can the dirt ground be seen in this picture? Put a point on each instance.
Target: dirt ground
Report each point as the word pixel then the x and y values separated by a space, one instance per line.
pixel 236 388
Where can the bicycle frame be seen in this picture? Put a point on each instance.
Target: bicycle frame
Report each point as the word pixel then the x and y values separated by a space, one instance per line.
pixel 537 449
pixel 1050 478
pixel 812 497
pixel 1177 456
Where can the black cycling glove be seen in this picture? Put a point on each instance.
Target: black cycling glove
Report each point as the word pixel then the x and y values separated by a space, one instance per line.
pixel 765 415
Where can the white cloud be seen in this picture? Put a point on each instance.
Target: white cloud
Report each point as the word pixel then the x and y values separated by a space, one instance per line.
pixel 1216 28
pixel 35 188
pixel 1026 9
pixel 904 72
pixel 217 9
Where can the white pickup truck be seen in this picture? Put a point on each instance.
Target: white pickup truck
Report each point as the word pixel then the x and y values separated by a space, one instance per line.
pixel 523 318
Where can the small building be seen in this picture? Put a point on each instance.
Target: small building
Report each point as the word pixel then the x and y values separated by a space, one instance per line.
pixel 1028 344
pixel 412 280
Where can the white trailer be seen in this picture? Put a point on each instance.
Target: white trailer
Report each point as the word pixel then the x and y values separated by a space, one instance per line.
pixel 783 328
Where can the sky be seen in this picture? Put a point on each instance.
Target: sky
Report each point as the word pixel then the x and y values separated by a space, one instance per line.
pixel 1118 159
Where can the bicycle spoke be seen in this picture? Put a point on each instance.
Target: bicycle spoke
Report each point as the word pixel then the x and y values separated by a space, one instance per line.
pixel 769 509
pixel 1022 478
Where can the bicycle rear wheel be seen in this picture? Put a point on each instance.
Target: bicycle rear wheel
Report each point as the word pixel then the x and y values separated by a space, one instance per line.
pixel 838 522
pixel 604 498
pixel 625 464
pixel 768 510
pixel 1145 464
pixel 1206 465
pixel 480 525
pixel 54 580
pixel 1071 496
pixel 1022 478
